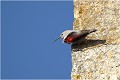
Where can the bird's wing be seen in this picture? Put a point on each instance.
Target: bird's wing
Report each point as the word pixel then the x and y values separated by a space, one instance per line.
pixel 73 36
pixel 77 35
pixel 86 32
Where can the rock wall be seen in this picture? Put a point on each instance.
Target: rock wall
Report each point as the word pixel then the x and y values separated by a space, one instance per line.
pixel 98 58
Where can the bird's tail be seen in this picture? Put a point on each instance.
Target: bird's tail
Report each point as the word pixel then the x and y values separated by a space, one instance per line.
pixel 92 30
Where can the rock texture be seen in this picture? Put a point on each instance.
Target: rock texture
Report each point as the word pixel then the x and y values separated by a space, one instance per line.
pixel 98 58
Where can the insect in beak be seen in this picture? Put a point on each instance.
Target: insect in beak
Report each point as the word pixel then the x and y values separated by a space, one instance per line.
pixel 56 39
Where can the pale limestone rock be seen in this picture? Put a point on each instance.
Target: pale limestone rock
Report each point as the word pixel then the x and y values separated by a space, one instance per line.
pixel 97 59
pixel 97 63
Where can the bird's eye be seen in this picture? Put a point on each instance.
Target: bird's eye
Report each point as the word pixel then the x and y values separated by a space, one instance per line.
pixel 62 34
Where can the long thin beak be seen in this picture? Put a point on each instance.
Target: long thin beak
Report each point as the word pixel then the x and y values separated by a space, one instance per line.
pixel 56 39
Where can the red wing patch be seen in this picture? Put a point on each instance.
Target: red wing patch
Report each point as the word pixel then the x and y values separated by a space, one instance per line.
pixel 71 39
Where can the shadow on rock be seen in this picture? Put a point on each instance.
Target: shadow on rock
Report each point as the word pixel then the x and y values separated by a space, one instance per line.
pixel 85 44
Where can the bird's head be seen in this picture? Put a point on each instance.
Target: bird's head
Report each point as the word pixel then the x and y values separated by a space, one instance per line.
pixel 64 34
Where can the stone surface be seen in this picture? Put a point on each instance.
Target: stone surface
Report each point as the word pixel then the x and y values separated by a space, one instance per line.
pixel 103 15
pixel 98 63
pixel 98 58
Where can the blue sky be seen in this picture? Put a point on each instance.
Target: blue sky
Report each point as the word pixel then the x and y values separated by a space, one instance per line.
pixel 28 31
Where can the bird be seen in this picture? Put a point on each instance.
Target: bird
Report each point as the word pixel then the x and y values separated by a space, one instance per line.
pixel 74 36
